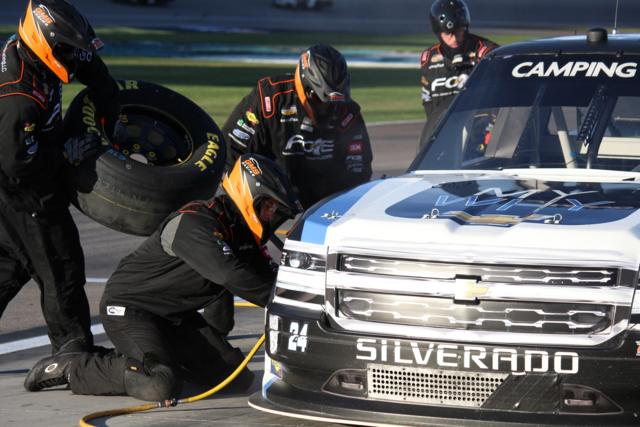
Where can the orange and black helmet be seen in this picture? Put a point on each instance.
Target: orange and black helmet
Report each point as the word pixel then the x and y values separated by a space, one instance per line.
pixel 253 179
pixel 55 28
pixel 322 73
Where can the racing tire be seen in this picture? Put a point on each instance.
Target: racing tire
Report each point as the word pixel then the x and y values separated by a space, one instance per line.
pixel 172 153
pixel 432 122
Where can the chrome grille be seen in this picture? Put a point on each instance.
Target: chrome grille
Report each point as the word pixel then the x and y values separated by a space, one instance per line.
pixel 431 386
pixel 486 273
pixel 486 315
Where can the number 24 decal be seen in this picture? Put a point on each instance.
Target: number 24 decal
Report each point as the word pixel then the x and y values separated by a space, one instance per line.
pixel 298 340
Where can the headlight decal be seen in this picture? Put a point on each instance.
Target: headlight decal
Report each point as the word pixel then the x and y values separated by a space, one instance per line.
pixel 302 276
pixel 300 296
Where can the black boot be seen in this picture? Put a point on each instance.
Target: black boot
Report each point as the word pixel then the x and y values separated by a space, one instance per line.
pixel 243 381
pixel 53 371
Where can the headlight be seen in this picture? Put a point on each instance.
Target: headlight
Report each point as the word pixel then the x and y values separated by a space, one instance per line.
pixel 304 261
pixel 301 279
pixel 275 325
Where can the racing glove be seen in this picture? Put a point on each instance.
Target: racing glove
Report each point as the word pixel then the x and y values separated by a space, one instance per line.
pixel 79 148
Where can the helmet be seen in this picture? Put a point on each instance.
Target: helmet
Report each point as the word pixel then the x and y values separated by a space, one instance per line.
pixel 253 179
pixel 322 73
pixel 53 28
pixel 449 15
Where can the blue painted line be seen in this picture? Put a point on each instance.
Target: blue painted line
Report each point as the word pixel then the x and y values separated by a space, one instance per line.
pixel 267 385
pixel 315 227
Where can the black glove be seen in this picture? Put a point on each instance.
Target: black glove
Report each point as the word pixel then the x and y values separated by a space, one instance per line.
pixel 79 148
pixel 114 129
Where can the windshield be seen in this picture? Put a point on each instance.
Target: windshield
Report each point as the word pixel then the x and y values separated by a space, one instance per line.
pixel 542 111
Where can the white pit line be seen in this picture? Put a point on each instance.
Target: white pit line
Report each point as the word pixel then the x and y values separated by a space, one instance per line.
pixel 41 341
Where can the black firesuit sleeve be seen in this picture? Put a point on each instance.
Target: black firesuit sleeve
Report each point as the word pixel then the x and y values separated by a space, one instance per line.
pixel 429 108
pixel 259 140
pixel 93 73
pixel 22 157
pixel 196 244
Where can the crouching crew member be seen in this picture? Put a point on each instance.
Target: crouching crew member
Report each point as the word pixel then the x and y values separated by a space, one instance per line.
pixel 38 238
pixel 446 66
pixel 150 304
pixel 308 124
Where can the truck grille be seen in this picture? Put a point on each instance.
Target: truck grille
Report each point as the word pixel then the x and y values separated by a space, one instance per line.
pixel 485 315
pixel 431 386
pixel 486 273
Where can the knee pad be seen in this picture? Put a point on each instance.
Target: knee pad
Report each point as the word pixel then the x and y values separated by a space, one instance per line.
pixel 155 384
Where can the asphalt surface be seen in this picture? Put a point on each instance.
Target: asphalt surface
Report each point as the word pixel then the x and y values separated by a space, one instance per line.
pixel 393 148
pixel 393 145
pixel 359 16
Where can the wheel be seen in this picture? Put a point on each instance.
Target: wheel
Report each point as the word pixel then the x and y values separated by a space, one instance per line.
pixel 432 121
pixel 173 153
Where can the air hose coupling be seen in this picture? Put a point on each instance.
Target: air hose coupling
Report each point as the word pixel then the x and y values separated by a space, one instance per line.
pixel 170 402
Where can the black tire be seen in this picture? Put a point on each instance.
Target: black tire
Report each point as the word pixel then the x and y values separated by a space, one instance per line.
pixel 432 122
pixel 182 146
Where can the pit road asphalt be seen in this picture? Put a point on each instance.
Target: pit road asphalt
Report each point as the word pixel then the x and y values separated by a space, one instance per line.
pixel 394 147
pixel 357 16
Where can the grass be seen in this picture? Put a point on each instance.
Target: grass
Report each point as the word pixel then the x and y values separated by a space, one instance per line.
pixel 384 94
pixel 408 42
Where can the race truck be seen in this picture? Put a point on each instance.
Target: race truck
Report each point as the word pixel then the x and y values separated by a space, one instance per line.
pixel 496 282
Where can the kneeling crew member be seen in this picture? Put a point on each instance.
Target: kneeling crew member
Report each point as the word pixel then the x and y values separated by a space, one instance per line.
pixel 446 66
pixel 38 238
pixel 308 124
pixel 150 304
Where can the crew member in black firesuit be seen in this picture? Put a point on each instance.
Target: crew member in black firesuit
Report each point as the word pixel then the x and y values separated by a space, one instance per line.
pixel 38 238
pixel 308 124
pixel 446 66
pixel 150 304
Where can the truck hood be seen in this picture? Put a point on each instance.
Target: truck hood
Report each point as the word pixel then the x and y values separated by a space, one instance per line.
pixel 543 217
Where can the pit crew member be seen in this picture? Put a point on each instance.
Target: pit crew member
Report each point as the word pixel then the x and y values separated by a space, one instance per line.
pixel 308 124
pixel 150 304
pixel 38 238
pixel 446 66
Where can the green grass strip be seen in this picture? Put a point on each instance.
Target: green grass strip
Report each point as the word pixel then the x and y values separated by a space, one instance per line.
pixel 384 94
pixel 217 87
pixel 406 42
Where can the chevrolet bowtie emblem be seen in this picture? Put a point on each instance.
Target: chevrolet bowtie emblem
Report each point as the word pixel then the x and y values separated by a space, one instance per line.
pixel 467 289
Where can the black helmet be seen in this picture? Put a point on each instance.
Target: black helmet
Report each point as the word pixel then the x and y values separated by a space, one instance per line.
pixel 449 15
pixel 322 73
pixel 53 28
pixel 253 179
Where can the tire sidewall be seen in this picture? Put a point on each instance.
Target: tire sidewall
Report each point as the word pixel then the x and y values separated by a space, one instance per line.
pixel 133 197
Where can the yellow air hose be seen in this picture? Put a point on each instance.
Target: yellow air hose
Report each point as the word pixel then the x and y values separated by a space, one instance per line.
pixel 84 421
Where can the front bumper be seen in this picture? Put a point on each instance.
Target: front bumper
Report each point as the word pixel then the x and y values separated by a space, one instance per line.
pixel 315 370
